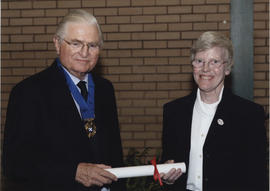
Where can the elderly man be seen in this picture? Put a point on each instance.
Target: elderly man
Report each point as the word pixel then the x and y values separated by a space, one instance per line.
pixel 220 136
pixel 62 127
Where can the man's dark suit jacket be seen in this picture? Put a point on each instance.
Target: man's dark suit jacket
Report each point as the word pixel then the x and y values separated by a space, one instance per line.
pixel 44 138
pixel 234 154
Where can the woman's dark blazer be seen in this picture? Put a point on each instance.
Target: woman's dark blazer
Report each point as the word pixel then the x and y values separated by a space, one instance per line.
pixel 234 154
pixel 44 138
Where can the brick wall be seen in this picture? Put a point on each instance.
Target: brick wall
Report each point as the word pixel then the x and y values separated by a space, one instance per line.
pixel 145 55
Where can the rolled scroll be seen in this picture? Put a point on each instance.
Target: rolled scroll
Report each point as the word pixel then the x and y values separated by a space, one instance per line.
pixel 145 170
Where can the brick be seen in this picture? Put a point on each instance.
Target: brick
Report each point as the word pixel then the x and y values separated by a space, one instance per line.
pixel 10 30
pixel 21 38
pixel 45 54
pixel 154 10
pixel 259 7
pixel 145 135
pixel 144 86
pixel 144 69
pixel 43 38
pixel 259 59
pixel 12 80
pixel 259 25
pixel 45 21
pixel 168 52
pixel 261 84
pixel 259 93
pixel 217 1
pixel 192 2
pixel 180 77
pixel 69 4
pixel 193 18
pixel 56 13
pixel 143 36
pixel 10 13
pixel 131 61
pixel 118 3
pixel 179 43
pixel 153 127
pixel 155 44
pixel 153 111
pixel 259 76
pixel 119 53
pixel 44 4
pixel 33 13
pixel 20 5
pixel 180 27
pixel 142 19
pixel 190 35
pixel 117 19
pixel 168 69
pixel 4 22
pixel 35 46
pixel 132 127
pixel 131 28
pixel 155 77
pixel 135 3
pixel 21 21
pixel 34 63
pixel 167 18
pixel 119 36
pixel 131 95
pixel 260 16
pixel 153 143
pixel 105 11
pixel 144 119
pixel 205 9
pixel 110 45
pixel 132 111
pixel 133 143
pixel 223 8
pixel 120 70
pixel 144 103
pixel 261 67
pixel 143 53
pixel 23 71
pixel 179 9
pixel 155 27
pixel 130 11
pixel 11 47
pixel 261 50
pixel 168 86
pixel 130 45
pixel 109 28
pixel 217 17
pixel 259 42
pixel 131 78
pixel 168 35
pixel 33 30
pixel 8 63
pixel 123 86
pixel 93 3
pixel 126 135
pixel 205 26
pixel 156 61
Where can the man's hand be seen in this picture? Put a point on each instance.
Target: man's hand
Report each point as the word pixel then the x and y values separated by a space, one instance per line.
pixel 171 176
pixel 90 174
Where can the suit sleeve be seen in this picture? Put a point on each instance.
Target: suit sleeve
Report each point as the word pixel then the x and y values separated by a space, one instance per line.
pixel 23 158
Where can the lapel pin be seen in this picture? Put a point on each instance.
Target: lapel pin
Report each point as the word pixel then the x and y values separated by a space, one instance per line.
pixel 220 122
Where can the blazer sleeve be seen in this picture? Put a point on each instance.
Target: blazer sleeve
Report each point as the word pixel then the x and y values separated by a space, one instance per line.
pixel 22 155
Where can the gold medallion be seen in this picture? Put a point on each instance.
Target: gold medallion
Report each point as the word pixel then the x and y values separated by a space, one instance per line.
pixel 90 127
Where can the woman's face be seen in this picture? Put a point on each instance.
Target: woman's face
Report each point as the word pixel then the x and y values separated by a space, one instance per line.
pixel 210 70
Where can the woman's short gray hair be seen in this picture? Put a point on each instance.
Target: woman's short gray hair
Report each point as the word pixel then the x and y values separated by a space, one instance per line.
pixel 77 16
pixel 212 39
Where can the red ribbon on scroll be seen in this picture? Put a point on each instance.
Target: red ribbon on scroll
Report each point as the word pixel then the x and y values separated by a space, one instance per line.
pixel 156 173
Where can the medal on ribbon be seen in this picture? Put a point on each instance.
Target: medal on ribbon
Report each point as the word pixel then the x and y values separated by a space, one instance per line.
pixel 87 108
pixel 90 127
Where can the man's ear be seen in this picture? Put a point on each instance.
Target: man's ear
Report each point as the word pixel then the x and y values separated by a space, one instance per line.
pixel 56 42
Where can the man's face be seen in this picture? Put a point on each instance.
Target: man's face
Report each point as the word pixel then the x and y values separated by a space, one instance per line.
pixel 210 76
pixel 78 60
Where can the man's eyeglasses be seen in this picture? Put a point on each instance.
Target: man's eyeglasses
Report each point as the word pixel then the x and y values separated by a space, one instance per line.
pixel 79 45
pixel 198 63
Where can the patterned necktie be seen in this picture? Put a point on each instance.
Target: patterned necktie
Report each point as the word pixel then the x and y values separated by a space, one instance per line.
pixel 82 86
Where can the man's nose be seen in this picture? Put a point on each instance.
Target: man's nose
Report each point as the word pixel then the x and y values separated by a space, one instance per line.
pixel 84 50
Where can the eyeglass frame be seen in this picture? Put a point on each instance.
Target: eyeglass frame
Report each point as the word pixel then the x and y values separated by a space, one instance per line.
pixel 211 63
pixel 90 46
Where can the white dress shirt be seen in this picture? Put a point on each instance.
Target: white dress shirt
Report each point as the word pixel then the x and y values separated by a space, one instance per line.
pixel 201 120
